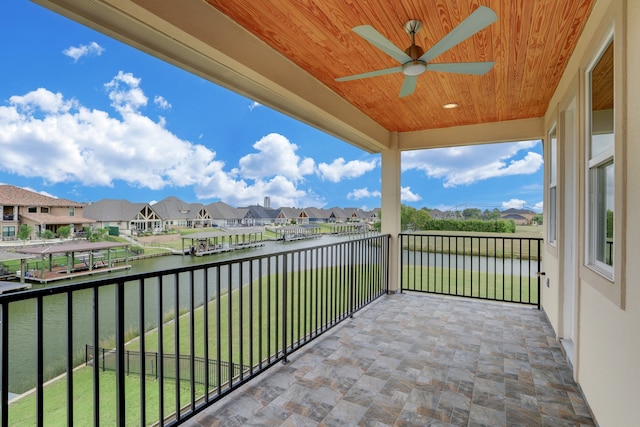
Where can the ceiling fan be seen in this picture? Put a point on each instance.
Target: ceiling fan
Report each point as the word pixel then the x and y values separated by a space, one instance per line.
pixel 415 61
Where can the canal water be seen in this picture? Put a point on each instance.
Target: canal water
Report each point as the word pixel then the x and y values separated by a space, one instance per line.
pixel 22 327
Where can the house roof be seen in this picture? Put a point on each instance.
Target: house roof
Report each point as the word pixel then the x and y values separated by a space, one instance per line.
pixel 260 212
pixel 317 213
pixel 288 55
pixel 290 213
pixel 44 218
pixel 12 195
pixel 173 208
pixel 221 210
pixel 114 210
pixel 71 247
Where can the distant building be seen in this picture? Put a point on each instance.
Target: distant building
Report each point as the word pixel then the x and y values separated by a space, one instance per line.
pixel 19 206
pixel 130 218
pixel 519 216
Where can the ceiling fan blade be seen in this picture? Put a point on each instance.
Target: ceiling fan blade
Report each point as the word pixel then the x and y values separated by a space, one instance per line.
pixel 408 86
pixel 479 68
pixel 481 18
pixel 371 74
pixel 372 35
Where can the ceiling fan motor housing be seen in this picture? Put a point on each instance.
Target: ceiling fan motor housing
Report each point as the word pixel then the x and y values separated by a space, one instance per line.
pixel 414 51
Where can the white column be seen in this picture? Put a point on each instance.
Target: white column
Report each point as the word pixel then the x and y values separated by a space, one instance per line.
pixel 390 209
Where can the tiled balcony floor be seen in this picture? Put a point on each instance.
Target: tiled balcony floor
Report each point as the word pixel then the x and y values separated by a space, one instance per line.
pixel 417 360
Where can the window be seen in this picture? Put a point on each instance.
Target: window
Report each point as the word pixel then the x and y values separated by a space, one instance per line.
pixel 553 184
pixel 9 231
pixel 72 211
pixel 44 210
pixel 32 209
pixel 601 163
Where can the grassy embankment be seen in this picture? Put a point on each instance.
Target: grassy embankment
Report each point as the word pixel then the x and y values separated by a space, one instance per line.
pixel 302 313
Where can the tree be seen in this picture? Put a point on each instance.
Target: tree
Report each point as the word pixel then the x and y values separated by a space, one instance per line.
pixel 24 232
pixel 412 218
pixel 537 218
pixel 494 215
pixel 64 231
pixel 471 213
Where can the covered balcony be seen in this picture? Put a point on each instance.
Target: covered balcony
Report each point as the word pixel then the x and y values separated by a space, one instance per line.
pixel 303 337
pixel 418 360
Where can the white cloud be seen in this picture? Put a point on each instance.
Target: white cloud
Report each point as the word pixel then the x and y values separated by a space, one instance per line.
pixel 361 193
pixel 125 93
pixel 470 164
pixel 93 148
pixel 406 195
pixel 254 105
pixel 161 102
pixel 514 204
pixel 77 52
pixel 339 169
pixel 100 148
pixel 276 156
pixel 538 207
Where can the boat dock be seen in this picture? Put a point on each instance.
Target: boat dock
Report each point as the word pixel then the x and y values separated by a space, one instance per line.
pixel 6 287
pixel 215 242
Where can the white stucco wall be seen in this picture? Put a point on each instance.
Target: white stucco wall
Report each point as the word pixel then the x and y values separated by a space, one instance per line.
pixel 608 329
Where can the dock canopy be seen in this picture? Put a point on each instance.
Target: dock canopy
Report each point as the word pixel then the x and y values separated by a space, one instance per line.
pixel 212 242
pixel 6 273
pixel 82 257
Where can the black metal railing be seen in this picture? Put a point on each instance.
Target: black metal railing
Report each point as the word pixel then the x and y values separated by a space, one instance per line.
pixel 486 267
pixel 250 312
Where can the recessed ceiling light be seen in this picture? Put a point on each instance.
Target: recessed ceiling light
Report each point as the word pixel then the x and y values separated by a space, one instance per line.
pixel 450 105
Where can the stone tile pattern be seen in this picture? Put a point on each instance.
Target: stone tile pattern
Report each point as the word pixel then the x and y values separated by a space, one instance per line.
pixel 417 360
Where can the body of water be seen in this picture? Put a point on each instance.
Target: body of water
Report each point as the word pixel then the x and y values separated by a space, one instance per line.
pixel 22 327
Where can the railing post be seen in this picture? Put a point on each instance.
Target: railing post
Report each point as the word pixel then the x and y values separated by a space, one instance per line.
pixel 539 269
pixel 352 278
pixel 120 365
pixel 4 384
pixel 401 266
pixel 70 356
pixel 285 275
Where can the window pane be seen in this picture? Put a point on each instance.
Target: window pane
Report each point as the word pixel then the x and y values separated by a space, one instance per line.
pixel 604 213
pixel 601 143
pixel 553 157
pixel 602 116
pixel 552 214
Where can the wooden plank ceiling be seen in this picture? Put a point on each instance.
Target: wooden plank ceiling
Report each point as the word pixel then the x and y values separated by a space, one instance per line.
pixel 530 43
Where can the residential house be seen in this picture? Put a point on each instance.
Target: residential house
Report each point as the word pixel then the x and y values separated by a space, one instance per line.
pixel 176 213
pixel 224 215
pixel 519 216
pixel 317 214
pixel 43 213
pixel 292 216
pixel 259 216
pixel 130 218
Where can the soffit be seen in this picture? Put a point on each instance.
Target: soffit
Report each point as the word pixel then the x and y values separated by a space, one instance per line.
pixel 287 55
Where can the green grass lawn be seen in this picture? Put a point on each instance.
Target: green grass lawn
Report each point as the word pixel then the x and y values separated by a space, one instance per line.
pixel 471 284
pixel 23 411
pixel 261 304
pixel 499 245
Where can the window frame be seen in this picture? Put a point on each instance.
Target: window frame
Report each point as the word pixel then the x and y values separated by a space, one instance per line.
pixel 552 197
pixel 594 164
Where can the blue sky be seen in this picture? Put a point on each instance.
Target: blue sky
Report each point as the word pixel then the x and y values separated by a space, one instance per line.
pixel 85 117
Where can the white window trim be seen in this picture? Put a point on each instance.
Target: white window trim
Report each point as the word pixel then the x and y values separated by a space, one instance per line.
pixel 592 163
pixel 553 185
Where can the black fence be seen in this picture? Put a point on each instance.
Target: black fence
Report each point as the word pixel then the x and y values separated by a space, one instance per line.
pixel 486 267
pixel 134 365
pixel 252 312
